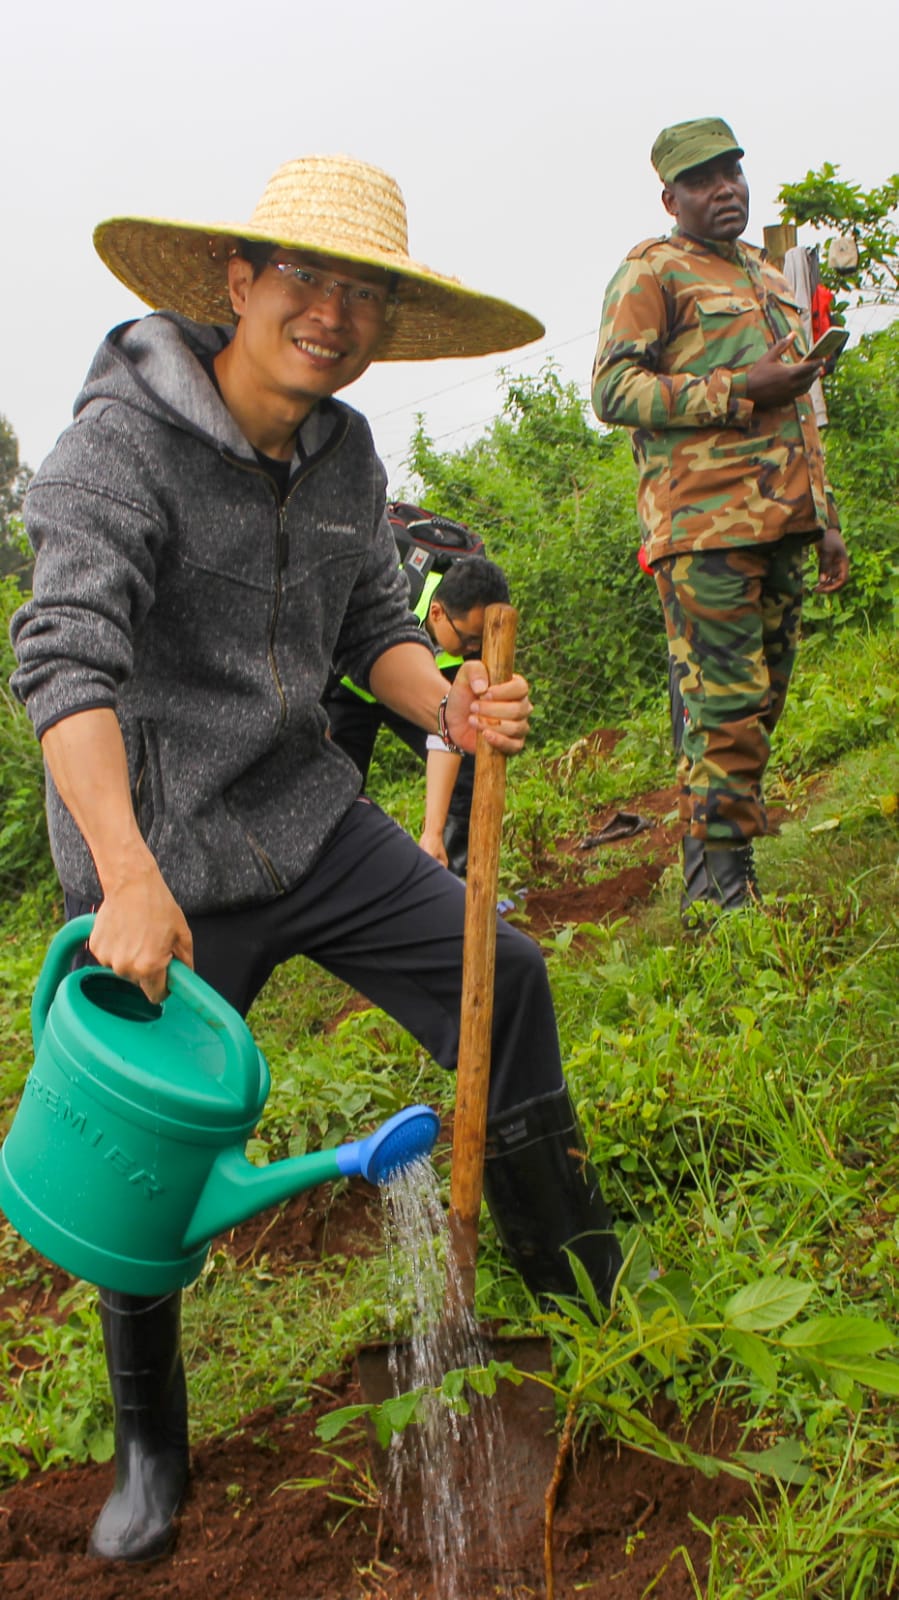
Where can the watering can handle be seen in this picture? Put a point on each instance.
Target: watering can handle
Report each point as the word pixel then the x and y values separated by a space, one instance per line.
pixel 205 1001
pixel 57 963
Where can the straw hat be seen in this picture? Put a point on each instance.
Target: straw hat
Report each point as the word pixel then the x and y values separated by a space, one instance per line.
pixel 335 206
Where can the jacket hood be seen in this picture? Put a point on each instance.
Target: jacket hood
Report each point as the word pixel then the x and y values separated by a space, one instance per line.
pixel 156 365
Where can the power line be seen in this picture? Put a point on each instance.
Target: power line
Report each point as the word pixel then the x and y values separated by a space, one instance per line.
pixel 874 309
pixel 388 456
pixel 437 438
pixel 481 422
pixel 481 377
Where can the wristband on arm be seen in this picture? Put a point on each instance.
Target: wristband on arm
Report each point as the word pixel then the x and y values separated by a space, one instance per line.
pixel 448 743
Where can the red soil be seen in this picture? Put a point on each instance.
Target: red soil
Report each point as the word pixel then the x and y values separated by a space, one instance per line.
pixel 247 1534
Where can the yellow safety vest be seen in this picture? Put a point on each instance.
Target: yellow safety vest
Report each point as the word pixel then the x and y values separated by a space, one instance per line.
pixel 420 610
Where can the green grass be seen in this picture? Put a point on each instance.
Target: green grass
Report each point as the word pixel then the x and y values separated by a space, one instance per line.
pixel 739 1090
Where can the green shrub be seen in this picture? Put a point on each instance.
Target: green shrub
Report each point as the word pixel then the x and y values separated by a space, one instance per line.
pixel 24 850
pixel 862 446
pixel 553 499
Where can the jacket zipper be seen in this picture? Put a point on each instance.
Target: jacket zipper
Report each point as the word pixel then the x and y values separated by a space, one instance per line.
pixel 282 551
pixel 282 548
pixel 282 555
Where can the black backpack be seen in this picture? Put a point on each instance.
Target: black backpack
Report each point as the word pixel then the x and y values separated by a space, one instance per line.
pixel 427 542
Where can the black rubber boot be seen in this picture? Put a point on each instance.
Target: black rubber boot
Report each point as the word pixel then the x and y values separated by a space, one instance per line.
pixel 720 873
pixel 731 870
pixel 143 1356
pixel 544 1195
pixel 696 877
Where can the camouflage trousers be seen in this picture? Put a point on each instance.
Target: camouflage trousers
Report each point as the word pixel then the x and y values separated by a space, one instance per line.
pixel 732 618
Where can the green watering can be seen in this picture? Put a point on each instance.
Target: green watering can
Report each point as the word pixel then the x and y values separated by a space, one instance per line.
pixel 126 1155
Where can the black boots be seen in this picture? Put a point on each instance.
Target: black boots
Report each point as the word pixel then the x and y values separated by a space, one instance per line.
pixel 721 873
pixel 146 1373
pixel 543 1195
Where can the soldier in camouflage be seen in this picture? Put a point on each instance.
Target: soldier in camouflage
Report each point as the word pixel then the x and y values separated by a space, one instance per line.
pixel 701 355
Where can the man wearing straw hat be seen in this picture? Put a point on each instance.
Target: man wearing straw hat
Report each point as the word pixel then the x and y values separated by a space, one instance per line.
pixel 210 535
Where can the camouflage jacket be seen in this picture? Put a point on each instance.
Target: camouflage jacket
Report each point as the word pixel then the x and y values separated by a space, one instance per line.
pixel 683 319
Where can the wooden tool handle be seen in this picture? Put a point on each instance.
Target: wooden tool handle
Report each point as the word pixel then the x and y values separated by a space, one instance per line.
pixel 478 965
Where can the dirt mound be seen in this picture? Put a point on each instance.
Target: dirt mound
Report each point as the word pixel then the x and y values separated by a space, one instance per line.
pixel 250 1531
pixel 609 837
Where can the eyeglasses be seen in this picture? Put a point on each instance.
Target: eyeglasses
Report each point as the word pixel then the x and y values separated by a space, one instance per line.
pixel 469 643
pixel 366 300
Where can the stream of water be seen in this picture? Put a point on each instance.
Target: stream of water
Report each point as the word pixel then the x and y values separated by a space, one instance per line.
pixel 448 1463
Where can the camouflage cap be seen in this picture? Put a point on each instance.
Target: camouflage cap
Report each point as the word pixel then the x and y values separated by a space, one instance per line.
pixel 689 144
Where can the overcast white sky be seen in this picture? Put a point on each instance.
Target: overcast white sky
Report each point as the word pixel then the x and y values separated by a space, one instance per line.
pixel 519 134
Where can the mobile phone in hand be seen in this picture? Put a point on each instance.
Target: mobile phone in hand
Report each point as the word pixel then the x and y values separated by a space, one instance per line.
pixel 828 346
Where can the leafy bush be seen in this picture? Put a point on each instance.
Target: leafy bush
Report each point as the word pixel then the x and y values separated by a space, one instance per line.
pixel 554 500
pixel 24 850
pixel 862 445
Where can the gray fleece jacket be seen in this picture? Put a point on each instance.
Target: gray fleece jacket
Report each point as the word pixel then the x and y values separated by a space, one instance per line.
pixel 171 585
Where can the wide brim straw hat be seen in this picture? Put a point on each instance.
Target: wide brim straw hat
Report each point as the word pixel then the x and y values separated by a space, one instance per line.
pixel 329 205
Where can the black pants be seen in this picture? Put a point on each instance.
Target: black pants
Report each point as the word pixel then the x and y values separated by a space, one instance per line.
pixel 383 916
pixel 354 726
